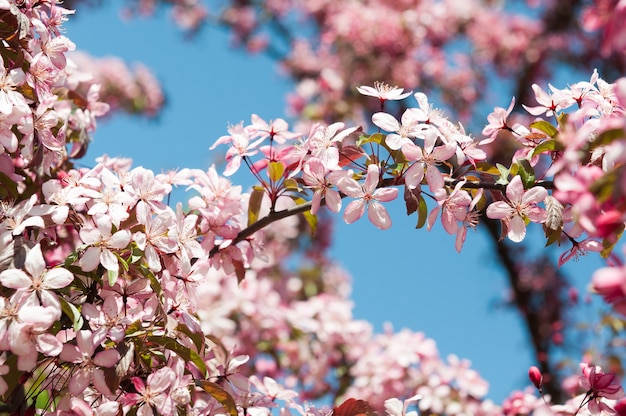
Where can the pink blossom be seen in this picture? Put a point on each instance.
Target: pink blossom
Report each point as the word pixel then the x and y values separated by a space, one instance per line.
pixel 497 122
pixel 383 92
pixel 395 407
pixel 323 143
pixel 37 287
pixel 599 385
pixel 401 133
pixel 147 191
pixel 425 163
pixel 9 81
pixel 18 217
pixel 578 249
pixel 89 371
pixel 153 393
pixel 367 197
pixel 29 335
pixel 277 130
pixel 318 178
pixel 107 319
pixel 102 245
pixel 521 205
pixel 159 238
pixel 271 389
pixel 549 103
pixel 240 147
pixel 453 208
pixel 610 283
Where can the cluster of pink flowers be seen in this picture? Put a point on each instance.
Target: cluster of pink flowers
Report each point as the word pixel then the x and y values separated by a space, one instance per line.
pixel 133 90
pixel 113 302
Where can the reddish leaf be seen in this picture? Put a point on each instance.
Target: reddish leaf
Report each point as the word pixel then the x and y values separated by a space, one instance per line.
pixel 354 407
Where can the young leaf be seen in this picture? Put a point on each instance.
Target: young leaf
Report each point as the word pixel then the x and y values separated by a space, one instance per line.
pixel 422 212
pixel 292 185
pixel 254 205
pixel 275 171
pixel 240 270
pixel 545 127
pixel 183 352
pixel 377 138
pixel 73 313
pixel 411 199
pixel 310 218
pixel 504 174
pixel 219 394
pixel 547 146
pixel 526 172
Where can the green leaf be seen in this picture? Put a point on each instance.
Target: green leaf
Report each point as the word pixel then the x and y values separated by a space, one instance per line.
pixel 196 337
pixel 310 218
pixel 551 145
pixel 135 329
pixel 254 205
pixel 41 402
pixel 607 137
pixel 545 127
pixel 504 174
pixel 377 138
pixel 123 262
pixel 154 282
pixel 552 236
pixel 609 244
pixel 526 172
pixel 292 185
pixel 488 168
pixel 136 254
pixel 275 171
pixel 219 394
pixel 422 212
pixel 8 188
pixel 73 313
pixel 112 277
pixel 604 186
pixel 185 353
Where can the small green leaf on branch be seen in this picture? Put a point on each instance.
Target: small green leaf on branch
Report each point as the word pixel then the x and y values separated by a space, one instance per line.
pixel 422 212
pixel 545 127
pixel 73 313
pixel 377 138
pixel 310 218
pixel 526 172
pixel 275 171
pixel 183 352
pixel 254 205
pixel 547 146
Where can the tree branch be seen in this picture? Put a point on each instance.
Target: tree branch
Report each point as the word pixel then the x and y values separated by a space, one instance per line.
pixel 279 215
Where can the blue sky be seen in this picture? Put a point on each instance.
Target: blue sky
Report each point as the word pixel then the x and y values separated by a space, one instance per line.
pixel 411 278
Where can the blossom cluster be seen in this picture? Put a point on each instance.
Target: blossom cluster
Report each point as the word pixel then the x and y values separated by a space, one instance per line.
pixel 113 302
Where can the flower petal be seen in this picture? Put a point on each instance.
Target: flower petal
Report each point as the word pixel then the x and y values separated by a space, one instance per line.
pixel 378 215
pixel 354 211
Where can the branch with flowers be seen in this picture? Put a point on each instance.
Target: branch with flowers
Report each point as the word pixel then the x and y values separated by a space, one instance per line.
pixel 113 302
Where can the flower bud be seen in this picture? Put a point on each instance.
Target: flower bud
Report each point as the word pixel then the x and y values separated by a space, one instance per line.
pixel 535 376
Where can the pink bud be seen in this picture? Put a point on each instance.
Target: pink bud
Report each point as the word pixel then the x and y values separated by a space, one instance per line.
pixel 535 376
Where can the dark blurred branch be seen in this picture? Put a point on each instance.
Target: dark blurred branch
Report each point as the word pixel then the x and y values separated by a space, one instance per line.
pixel 529 311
